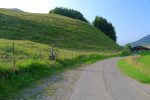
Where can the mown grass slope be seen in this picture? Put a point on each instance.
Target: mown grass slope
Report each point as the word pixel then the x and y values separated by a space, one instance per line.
pixel 62 31
pixel 137 67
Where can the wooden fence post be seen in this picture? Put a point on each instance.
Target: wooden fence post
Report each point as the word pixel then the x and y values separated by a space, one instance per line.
pixel 14 60
pixel 40 55
pixel 52 56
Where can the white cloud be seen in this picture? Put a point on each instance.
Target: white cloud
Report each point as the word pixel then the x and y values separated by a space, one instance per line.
pixel 36 6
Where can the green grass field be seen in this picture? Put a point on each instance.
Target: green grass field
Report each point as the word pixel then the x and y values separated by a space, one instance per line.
pixel 137 67
pixel 61 31
pixel 75 43
pixel 25 50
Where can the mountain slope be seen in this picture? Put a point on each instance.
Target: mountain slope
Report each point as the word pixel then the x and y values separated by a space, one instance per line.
pixel 63 32
pixel 144 41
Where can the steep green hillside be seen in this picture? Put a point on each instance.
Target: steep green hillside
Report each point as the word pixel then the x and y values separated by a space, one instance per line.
pixel 63 32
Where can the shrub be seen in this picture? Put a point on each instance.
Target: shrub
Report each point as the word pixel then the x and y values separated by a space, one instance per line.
pixel 126 50
pixel 105 26
pixel 69 13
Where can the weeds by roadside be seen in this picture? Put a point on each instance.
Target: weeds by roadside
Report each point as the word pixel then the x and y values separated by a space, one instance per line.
pixel 31 71
pixel 137 67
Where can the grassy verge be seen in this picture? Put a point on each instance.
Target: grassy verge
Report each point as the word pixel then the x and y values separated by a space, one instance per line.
pixel 137 67
pixel 30 71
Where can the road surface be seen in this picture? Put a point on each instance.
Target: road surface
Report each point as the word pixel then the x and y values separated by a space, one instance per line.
pixel 103 81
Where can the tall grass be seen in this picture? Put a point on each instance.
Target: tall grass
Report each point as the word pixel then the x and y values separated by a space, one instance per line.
pixel 25 50
pixel 137 67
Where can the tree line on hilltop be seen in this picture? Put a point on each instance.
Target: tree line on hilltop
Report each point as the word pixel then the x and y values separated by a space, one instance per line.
pixel 69 13
pixel 99 22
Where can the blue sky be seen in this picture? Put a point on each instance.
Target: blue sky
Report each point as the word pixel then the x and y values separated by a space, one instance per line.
pixel 131 18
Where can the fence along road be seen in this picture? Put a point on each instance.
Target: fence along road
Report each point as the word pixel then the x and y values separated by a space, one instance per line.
pixel 103 81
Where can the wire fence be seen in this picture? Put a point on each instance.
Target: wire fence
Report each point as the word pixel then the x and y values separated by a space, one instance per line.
pixel 12 53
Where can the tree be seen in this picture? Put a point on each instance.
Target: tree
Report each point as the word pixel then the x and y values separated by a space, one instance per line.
pixel 127 50
pixel 69 13
pixel 128 46
pixel 105 26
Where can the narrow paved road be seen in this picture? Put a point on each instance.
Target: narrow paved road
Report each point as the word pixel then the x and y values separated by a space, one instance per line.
pixel 103 81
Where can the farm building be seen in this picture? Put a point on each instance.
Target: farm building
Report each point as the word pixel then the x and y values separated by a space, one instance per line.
pixel 140 49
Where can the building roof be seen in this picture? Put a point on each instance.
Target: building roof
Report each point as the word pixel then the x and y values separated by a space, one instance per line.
pixel 140 48
pixel 147 46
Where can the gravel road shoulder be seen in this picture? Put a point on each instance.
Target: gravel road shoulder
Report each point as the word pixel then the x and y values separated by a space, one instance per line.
pixel 57 87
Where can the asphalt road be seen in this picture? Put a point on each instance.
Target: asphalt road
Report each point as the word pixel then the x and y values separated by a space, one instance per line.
pixel 103 81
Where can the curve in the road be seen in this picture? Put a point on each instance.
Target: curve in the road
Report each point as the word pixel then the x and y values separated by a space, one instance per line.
pixel 103 81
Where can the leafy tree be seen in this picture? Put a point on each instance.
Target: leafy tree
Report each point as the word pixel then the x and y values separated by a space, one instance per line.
pixel 105 26
pixel 127 50
pixel 69 13
pixel 128 46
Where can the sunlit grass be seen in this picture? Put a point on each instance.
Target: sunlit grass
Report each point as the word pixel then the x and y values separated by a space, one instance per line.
pixel 62 31
pixel 31 50
pixel 137 67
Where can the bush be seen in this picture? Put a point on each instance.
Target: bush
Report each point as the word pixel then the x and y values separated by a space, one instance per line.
pixel 126 50
pixel 69 13
pixel 105 26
